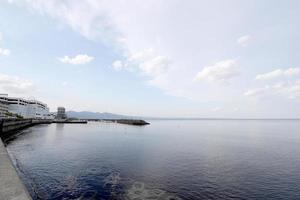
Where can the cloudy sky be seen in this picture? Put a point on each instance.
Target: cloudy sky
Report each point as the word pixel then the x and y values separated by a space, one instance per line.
pixel 167 58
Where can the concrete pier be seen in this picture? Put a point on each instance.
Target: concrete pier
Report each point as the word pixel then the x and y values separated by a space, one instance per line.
pixel 11 186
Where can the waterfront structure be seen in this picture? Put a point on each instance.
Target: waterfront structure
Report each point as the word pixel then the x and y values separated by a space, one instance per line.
pixel 50 116
pixel 3 105
pixel 23 108
pixel 61 113
pixel 18 106
pixel 37 109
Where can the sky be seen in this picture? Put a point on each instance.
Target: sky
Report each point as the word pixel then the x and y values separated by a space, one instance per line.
pixel 158 58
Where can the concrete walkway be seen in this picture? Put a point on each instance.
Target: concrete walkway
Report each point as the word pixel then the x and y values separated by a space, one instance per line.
pixel 11 186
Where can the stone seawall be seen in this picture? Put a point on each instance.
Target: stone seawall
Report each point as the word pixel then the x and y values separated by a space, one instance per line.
pixel 10 125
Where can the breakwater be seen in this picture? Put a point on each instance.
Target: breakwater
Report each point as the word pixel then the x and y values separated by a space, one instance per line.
pixel 70 121
pixel 11 186
pixel 136 122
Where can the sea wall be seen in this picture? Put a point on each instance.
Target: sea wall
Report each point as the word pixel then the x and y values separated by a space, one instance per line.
pixel 10 125
pixel 11 186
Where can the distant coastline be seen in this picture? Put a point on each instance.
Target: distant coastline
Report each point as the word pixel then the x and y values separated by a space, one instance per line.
pixel 222 118
pixel 106 115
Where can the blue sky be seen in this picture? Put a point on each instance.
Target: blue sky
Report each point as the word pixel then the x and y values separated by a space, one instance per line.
pixel 156 58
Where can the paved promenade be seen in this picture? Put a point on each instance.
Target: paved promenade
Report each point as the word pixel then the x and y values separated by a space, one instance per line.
pixel 11 186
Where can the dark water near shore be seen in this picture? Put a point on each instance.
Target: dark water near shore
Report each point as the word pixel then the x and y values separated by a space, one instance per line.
pixel 170 159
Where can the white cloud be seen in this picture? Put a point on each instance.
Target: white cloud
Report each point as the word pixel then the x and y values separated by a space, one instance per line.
pixel 187 45
pixel 222 71
pixel 118 65
pixel 133 31
pixel 77 60
pixel 156 66
pixel 15 85
pixel 216 109
pixel 244 40
pixel 257 91
pixel 286 89
pixel 147 62
pixel 4 52
pixel 89 18
pixel 279 73
pixel 141 56
pixel 235 109
pixel 102 20
pixel 65 83
pixel 270 75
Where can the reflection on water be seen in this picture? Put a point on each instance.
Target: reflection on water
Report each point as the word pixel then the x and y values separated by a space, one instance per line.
pixel 135 191
pixel 139 191
pixel 170 159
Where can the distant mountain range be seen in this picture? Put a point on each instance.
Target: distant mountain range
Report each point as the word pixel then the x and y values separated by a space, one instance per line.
pixel 96 115
pixel 105 115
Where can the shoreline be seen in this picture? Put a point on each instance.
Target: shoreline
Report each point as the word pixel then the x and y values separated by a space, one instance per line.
pixel 11 185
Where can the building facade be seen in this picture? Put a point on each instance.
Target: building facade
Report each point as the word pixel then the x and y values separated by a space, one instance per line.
pixel 25 108
pixel 18 106
pixel 37 109
pixel 3 105
pixel 61 113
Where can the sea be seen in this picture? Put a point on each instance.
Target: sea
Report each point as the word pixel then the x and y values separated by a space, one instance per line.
pixel 168 159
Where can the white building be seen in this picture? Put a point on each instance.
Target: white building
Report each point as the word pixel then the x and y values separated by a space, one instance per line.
pixel 18 106
pixel 28 108
pixel 3 105
pixel 37 109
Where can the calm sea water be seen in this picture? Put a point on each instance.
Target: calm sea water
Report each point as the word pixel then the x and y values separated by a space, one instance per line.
pixel 169 159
